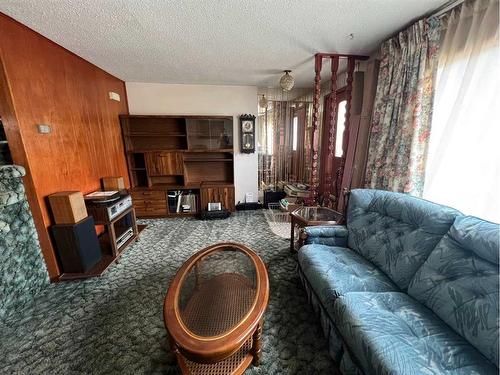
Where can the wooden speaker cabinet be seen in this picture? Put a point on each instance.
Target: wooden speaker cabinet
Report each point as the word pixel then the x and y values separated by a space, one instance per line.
pixel 113 183
pixel 68 207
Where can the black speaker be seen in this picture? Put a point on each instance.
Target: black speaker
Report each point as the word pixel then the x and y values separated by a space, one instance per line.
pixel 271 196
pixel 77 245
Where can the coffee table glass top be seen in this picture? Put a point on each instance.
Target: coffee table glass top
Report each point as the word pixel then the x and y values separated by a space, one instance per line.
pixel 317 214
pixel 218 292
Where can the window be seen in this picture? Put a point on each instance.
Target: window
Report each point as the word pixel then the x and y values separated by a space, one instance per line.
pixel 463 168
pixel 294 133
pixel 339 136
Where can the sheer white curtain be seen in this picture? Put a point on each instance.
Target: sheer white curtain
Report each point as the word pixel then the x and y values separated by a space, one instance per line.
pixel 463 165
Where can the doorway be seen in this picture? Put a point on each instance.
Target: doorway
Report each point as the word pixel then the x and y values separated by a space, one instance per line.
pixel 298 143
pixel 338 129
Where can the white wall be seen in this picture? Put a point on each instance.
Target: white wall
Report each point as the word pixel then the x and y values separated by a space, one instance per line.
pixel 174 99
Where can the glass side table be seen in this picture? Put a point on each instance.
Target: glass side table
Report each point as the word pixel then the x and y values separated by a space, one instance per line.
pixel 309 217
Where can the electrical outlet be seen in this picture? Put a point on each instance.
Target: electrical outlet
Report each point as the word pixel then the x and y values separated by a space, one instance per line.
pixel 44 129
pixel 114 96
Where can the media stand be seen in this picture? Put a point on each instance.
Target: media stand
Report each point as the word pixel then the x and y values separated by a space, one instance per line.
pixel 120 230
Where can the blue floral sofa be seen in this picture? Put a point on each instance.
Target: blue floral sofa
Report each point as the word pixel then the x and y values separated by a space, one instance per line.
pixel 406 287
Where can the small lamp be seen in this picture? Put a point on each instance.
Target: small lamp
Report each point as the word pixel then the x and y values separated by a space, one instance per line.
pixel 287 81
pixel 263 102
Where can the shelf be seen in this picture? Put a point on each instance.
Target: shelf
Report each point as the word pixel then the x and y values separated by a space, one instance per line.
pixel 106 261
pixel 183 150
pixel 191 186
pixel 176 187
pixel 208 159
pixel 142 151
pixel 115 219
pixel 203 184
pixel 209 150
pixel 216 183
pixel 149 134
pixel 97 270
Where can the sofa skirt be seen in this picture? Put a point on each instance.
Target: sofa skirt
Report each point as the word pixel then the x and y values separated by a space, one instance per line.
pixel 336 346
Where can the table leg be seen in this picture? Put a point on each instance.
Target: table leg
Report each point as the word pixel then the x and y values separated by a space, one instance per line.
pixel 181 361
pixel 257 345
pixel 301 237
pixel 112 239
pixel 292 235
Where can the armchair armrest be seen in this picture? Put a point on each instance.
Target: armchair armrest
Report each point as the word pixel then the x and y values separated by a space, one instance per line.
pixel 332 235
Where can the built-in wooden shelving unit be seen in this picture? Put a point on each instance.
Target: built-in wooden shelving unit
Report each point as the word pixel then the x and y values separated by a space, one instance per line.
pixel 172 156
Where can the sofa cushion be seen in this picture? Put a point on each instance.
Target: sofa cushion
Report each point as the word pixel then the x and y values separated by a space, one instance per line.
pixel 331 235
pixel 394 231
pixel 459 282
pixel 334 271
pixel 390 333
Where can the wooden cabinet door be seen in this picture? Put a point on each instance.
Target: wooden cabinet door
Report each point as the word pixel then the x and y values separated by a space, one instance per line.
pixel 149 203
pixel 215 194
pixel 164 163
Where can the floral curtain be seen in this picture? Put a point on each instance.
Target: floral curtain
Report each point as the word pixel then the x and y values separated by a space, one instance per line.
pixel 403 109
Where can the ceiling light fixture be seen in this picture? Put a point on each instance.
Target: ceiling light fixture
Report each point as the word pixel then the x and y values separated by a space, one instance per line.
pixel 263 102
pixel 287 81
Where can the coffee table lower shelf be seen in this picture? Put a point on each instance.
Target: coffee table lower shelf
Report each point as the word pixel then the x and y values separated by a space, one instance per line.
pixel 235 364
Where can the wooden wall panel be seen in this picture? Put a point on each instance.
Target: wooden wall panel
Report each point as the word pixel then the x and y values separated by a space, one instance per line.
pixel 50 85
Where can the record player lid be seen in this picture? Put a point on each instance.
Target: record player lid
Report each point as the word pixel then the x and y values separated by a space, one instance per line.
pixel 103 196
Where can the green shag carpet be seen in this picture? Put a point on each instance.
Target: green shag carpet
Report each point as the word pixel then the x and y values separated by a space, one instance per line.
pixel 113 324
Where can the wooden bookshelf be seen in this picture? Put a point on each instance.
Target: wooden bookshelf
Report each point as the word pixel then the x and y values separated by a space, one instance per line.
pixel 188 154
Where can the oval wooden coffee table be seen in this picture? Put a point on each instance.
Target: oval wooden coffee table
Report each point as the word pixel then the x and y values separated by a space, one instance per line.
pixel 213 310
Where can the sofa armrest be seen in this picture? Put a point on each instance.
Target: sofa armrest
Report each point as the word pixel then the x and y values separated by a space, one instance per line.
pixel 332 235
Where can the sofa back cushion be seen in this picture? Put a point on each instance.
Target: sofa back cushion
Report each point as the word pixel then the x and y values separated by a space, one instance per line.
pixel 395 231
pixel 459 282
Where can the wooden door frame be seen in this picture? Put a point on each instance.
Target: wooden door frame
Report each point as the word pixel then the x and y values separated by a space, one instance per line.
pixel 297 162
pixel 325 130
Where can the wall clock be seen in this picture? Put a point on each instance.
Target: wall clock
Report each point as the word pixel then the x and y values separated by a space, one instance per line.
pixel 247 133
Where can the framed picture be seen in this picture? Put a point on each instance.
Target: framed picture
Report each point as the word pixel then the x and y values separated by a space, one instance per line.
pixel 214 206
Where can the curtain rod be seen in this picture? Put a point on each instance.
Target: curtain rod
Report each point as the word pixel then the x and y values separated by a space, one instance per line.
pixel 445 8
pixel 438 13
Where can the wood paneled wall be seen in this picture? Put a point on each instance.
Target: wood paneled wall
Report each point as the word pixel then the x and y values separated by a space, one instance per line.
pixel 43 83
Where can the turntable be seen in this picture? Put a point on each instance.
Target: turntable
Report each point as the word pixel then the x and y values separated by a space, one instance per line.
pixel 104 206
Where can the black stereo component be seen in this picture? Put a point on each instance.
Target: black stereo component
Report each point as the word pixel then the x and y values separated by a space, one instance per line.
pixel 248 206
pixel 218 214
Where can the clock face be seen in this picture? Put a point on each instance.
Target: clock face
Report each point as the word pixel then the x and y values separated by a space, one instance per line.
pixel 247 126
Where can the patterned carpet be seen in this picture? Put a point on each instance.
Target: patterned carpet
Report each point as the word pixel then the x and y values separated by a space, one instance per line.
pixel 114 324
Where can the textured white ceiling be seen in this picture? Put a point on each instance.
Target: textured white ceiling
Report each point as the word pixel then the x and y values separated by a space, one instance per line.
pixel 235 42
